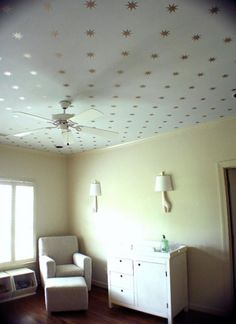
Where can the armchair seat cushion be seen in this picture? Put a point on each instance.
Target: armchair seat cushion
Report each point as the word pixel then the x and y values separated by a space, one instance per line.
pixel 68 270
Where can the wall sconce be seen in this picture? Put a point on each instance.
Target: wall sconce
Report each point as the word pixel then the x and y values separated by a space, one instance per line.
pixel 95 190
pixel 163 184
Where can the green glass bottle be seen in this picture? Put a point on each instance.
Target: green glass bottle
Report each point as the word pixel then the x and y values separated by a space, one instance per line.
pixel 164 244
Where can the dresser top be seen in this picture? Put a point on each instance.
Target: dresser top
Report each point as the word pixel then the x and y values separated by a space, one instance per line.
pixel 150 249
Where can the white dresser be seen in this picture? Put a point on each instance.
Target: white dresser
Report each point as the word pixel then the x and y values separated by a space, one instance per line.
pixel 142 278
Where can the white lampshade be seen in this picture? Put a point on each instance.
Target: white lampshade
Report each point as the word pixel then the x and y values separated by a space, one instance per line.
pixel 163 183
pixel 95 189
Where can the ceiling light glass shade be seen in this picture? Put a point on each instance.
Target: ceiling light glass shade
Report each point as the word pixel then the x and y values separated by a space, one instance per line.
pixel 67 137
pixel 163 183
pixel 95 189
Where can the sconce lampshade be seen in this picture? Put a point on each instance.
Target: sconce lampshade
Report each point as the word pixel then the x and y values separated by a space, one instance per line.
pixel 95 189
pixel 163 183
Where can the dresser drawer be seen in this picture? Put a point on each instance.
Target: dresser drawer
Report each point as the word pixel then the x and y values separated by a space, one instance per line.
pixel 122 280
pixel 120 265
pixel 121 295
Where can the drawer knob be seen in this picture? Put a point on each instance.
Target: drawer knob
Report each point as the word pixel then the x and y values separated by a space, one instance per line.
pixel 121 276
pixel 139 264
pixel 121 290
pixel 120 260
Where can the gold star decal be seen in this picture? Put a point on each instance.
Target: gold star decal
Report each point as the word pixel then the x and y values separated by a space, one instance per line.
pixel 62 71
pixel 66 85
pixel 154 56
pixel 214 10
pixel 212 59
pixel 132 5
pixel 90 32
pixel 172 8
pixel 125 53
pixel 92 70
pixel 90 54
pixel 126 33
pixel 228 39
pixel 90 4
pixel 148 72
pixel 184 57
pixel 196 37
pixel 200 74
pixel 175 73
pixel 165 33
pixel 120 71
pixel 54 33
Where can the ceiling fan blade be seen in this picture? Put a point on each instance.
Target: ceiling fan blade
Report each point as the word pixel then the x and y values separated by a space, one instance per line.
pixel 87 115
pixel 32 131
pixel 97 131
pixel 31 115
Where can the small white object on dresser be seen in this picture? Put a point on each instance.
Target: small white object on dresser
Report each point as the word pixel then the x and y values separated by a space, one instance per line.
pixel 143 278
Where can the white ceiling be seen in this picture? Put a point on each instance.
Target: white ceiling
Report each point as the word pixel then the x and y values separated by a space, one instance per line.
pixel 150 66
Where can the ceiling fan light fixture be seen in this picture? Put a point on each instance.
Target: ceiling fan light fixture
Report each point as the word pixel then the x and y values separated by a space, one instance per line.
pixel 68 138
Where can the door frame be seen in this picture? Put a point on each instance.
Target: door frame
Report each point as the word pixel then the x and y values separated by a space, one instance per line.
pixel 226 229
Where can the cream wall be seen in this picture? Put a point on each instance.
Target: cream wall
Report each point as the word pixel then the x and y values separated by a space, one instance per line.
pixel 130 209
pixel 49 173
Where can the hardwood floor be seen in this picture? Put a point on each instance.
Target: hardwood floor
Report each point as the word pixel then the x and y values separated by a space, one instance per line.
pixel 31 310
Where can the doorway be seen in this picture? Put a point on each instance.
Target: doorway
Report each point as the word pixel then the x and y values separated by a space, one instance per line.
pixel 230 179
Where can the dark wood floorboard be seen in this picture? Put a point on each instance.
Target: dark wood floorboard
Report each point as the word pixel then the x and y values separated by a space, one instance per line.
pixel 31 310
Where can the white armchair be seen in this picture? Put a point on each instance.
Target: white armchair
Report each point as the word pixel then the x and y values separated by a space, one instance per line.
pixel 59 257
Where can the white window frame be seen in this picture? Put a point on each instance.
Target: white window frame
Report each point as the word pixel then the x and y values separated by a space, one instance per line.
pixel 14 262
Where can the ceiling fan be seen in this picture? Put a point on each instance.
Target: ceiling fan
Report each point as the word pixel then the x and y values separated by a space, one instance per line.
pixel 69 122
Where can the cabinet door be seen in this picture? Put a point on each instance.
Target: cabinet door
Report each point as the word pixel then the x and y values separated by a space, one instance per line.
pixel 151 287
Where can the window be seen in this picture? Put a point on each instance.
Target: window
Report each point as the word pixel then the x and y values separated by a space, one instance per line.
pixel 17 236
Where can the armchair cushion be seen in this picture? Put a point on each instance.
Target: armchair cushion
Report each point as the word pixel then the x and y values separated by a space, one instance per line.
pixel 69 270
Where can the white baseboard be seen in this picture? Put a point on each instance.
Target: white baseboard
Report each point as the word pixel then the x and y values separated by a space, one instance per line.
pixel 98 283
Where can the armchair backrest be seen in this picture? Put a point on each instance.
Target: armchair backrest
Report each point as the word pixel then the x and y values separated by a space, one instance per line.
pixel 59 248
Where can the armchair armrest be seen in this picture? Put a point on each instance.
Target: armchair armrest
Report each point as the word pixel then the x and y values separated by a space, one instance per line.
pixel 47 267
pixel 84 262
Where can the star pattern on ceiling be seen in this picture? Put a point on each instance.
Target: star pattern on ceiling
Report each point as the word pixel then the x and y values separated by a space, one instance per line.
pixel 214 10
pixel 196 37
pixel 90 32
pixel 172 8
pixel 132 5
pixel 126 33
pixel 90 4
pixel 133 61
pixel 165 33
